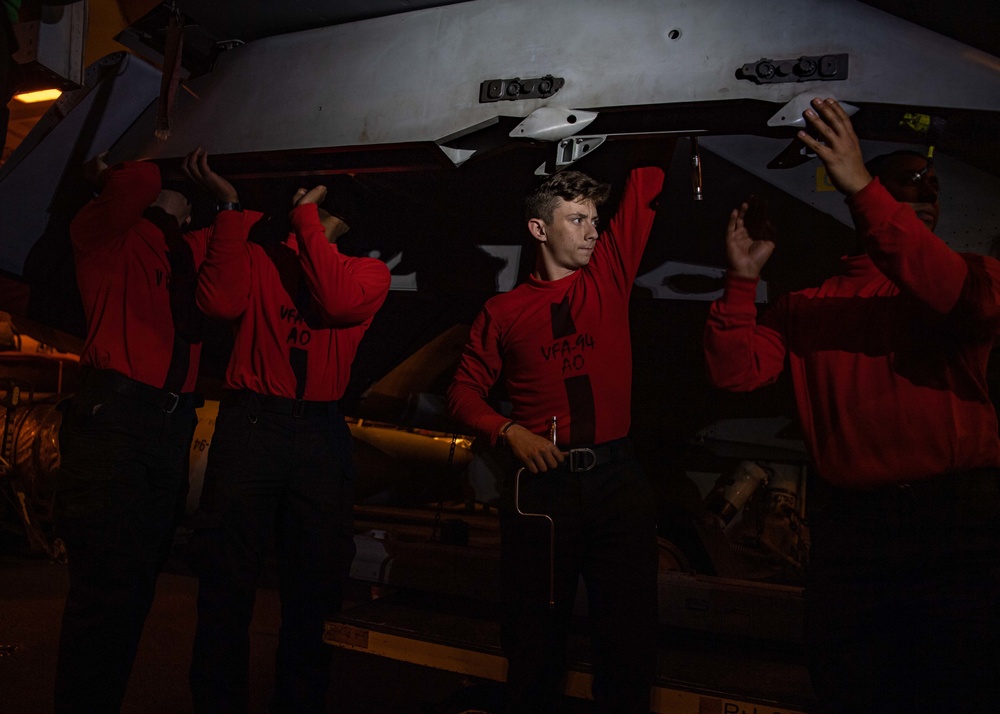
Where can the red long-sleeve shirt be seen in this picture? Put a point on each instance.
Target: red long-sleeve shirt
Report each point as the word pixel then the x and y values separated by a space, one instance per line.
pixel 124 272
pixel 888 359
pixel 301 308
pixel 564 345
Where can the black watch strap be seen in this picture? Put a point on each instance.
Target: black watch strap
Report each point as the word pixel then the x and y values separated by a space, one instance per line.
pixel 229 206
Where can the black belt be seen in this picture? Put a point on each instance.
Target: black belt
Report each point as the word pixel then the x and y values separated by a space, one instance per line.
pixel 280 405
pixel 163 399
pixel 586 458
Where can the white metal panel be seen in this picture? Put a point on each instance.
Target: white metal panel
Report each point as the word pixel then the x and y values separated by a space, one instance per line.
pixel 56 44
pixel 415 77
pixel 61 43
pixel 29 183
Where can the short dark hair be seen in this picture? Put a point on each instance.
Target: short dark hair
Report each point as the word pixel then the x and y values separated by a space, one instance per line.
pixel 881 164
pixel 567 185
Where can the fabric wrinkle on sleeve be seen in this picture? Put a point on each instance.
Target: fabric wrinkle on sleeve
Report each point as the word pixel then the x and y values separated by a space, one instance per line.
pixel 906 251
pixel 477 372
pixel 980 298
pixel 129 189
pixel 224 277
pixel 349 290
pixel 742 355
pixel 626 234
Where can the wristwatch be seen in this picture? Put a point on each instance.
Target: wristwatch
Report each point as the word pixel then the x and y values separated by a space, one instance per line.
pixel 229 206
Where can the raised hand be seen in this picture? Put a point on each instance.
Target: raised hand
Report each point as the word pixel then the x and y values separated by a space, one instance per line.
pixel 196 168
pixel 836 145
pixel 746 255
pixel 317 195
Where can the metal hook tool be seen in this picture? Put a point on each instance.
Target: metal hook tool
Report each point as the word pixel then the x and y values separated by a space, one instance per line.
pixel 546 516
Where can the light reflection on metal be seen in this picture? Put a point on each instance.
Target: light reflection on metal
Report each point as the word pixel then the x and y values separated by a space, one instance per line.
pixel 395 444
pixel 33 431
pixel 553 123
pixel 791 113
pixel 413 444
pixel 696 181
pixel 42 95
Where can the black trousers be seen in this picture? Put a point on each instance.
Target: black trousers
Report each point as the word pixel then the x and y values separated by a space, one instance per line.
pixel 605 530
pixel 120 493
pixel 291 478
pixel 902 604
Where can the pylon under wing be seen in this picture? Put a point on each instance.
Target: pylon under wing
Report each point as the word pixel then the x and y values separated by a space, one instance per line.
pixel 439 85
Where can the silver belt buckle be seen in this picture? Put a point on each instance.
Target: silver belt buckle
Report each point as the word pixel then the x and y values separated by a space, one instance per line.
pixel 578 460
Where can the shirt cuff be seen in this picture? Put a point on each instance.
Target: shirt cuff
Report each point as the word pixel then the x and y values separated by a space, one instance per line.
pixel 872 198
pixel 740 285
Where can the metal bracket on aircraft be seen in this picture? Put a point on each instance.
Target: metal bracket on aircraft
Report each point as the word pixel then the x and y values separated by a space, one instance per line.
pixel 802 69
pixel 500 90
pixel 457 156
pixel 796 153
pixel 552 123
pixel 569 151
pixel 792 113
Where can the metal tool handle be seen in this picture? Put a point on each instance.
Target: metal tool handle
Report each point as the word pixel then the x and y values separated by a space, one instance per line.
pixel 552 535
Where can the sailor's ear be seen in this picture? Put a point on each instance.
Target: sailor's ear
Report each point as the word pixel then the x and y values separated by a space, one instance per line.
pixel 536 226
